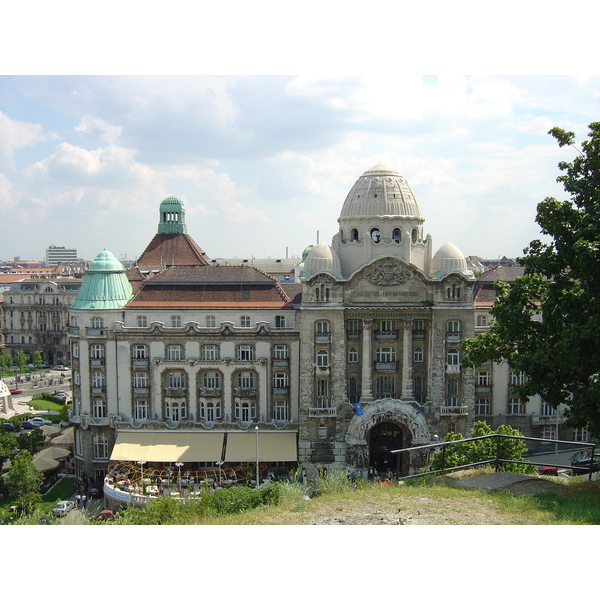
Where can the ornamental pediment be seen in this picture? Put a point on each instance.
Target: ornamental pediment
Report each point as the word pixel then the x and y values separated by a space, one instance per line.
pixel 387 271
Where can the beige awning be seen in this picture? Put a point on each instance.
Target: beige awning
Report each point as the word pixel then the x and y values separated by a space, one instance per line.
pixel 272 446
pixel 168 446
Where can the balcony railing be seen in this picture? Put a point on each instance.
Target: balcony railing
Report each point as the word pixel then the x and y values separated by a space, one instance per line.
pixel 386 365
pixel 386 335
pixel 215 392
pixel 175 392
pixel 453 369
pixel 483 389
pixel 245 392
pixel 418 334
pixel 281 391
pixel 141 391
pixel 139 362
pixel 453 410
pixel 353 334
pixel 98 390
pixel 71 330
pixel 322 412
pixel 96 331
pixel 453 336
pixel 537 419
pixel 322 337
pixel 96 362
pixel 280 362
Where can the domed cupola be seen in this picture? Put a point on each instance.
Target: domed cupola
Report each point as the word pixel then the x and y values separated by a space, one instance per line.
pixel 172 216
pixel 105 285
pixel 321 259
pixel 380 217
pixel 379 192
pixel 449 259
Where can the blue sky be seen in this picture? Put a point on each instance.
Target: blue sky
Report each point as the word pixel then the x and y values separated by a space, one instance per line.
pixel 264 161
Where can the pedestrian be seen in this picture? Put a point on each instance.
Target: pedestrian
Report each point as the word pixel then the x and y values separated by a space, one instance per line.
pixel 78 500
pixel 84 501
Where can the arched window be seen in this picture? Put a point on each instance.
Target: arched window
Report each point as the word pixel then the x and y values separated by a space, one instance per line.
pixel 353 355
pixel 414 235
pixel 246 380
pixel 397 235
pixel 452 357
pixel 354 235
pixel 177 380
pixel 211 380
pixel 322 358
pixel 481 321
pixel 418 354
pixel 375 235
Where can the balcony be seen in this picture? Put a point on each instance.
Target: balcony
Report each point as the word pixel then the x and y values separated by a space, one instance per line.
pixel 321 412
pixel 141 391
pixel 483 389
pixel 71 330
pixel 98 390
pixel 96 332
pixel 447 411
pixel 453 369
pixel 281 391
pixel 386 365
pixel 386 335
pixel 418 334
pixel 280 362
pixel 537 419
pixel 322 337
pixel 353 335
pixel 175 392
pixel 215 392
pixel 453 336
pixel 245 392
pixel 140 362
pixel 96 362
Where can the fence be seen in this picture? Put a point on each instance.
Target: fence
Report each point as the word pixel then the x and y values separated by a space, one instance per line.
pixel 496 460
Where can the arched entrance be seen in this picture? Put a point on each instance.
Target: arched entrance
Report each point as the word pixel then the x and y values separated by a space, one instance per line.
pixel 383 438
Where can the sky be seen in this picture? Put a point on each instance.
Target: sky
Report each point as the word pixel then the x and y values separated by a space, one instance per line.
pixel 263 160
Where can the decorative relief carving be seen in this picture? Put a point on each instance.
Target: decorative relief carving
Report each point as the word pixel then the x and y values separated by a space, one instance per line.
pixel 387 272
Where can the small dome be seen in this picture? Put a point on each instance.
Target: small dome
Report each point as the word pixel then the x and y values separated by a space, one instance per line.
pixel 448 258
pixel 322 259
pixel 379 192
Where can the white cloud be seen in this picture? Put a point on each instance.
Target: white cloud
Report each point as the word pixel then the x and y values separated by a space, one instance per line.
pixel 15 135
pixel 93 127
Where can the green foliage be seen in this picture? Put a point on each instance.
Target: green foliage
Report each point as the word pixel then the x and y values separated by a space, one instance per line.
pixel 27 503
pixel 547 326
pixel 21 360
pixel 37 359
pixel 32 441
pixel 5 359
pixel 476 451
pixel 22 475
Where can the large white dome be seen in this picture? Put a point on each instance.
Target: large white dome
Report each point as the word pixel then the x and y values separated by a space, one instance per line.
pixel 379 192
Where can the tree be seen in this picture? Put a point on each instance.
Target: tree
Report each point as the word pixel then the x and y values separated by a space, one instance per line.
pixel 21 361
pixel 38 361
pixel 5 360
pixel 22 475
pixel 32 441
pixel 547 325
pixel 476 451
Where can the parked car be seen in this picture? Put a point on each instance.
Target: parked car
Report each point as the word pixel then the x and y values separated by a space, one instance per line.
pixel 105 515
pixel 581 466
pixel 96 492
pixel 8 426
pixel 28 425
pixel 547 471
pixel 38 421
pixel 62 395
pixel 15 391
pixel 63 507
pixel 45 520
pixel 60 368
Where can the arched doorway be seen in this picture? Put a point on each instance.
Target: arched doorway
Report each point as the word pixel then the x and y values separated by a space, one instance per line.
pixel 383 438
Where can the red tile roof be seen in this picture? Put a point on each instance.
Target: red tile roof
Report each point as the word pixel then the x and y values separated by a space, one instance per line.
pixel 169 249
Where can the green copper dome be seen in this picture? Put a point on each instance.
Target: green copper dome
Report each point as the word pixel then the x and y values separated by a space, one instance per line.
pixel 105 285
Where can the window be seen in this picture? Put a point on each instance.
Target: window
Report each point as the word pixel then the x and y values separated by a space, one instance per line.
pixel 140 410
pixel 452 387
pixel 99 408
pixel 385 355
pixel 452 357
pixel 100 443
pixel 418 389
pixel 175 411
pixel 453 292
pixel 98 379
pixel 453 327
pixel 354 235
pixel 245 411
pixel 210 321
pixel 396 235
pixel 323 393
pixel 280 351
pixel 210 352
pixel 353 355
pixel 386 325
pixel 375 235
pixel 580 435
pixel 244 321
pixel 142 321
pixel 352 389
pixel 210 411
pixel 279 321
pixel 484 378
pixel 210 380
pixel 322 358
pixel 549 433
pixel 175 321
pixel 322 327
pixel 140 379
pixel 175 352
pixel 97 322
pixel 547 410
pixel 280 380
pixel 418 325
pixel 482 406
pixel 352 326
pixel 97 351
pixel 245 352
pixel 418 354
pixel 280 410
pixel 246 380
pixel 176 380
pixel 517 378
pixel 481 321
pixel 140 351
pixel 75 350
pixel 414 235
pixel 515 406
pixel 384 387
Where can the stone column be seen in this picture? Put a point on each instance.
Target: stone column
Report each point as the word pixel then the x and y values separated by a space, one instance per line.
pixel 407 361
pixel 366 392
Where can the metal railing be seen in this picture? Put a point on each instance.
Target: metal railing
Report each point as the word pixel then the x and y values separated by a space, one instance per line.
pixel 496 460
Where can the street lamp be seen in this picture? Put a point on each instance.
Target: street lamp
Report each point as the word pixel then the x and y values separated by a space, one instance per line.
pixel 141 463
pixel 256 429
pixel 179 465
pixel 219 463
